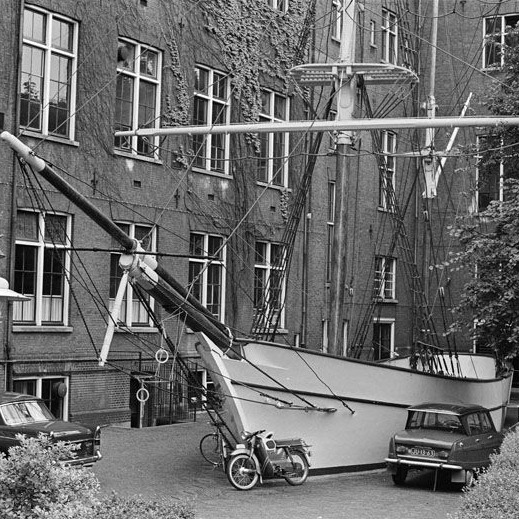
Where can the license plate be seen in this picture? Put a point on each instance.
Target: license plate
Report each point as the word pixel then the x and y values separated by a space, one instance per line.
pixel 419 451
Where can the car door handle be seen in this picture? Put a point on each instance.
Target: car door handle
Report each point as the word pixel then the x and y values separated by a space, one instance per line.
pixel 477 440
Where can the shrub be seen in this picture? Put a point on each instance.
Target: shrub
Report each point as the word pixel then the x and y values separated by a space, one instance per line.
pixel 138 508
pixel 34 485
pixel 32 479
pixel 496 492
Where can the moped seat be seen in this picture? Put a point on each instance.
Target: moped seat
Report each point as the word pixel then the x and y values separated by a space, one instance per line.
pixel 290 442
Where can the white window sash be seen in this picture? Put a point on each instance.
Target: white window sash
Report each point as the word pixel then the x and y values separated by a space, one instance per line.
pixel 48 52
pixel 214 104
pixel 137 78
pixel 46 306
pixel 204 263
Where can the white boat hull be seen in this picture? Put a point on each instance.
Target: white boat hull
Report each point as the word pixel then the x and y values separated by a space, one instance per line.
pixel 344 408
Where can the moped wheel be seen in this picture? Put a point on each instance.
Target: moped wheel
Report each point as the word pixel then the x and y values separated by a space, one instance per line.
pixel 242 472
pixel 399 476
pixel 298 468
pixel 210 449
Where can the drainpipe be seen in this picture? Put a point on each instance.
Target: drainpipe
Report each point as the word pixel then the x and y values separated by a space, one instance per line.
pixel 15 125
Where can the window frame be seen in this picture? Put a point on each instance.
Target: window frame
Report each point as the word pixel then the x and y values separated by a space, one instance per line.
pixel 382 321
pixel 38 380
pixel 373 34
pixel 384 287
pixel 389 36
pixel 336 20
pixel 266 165
pixel 489 36
pixel 330 226
pixel 128 309
pixel 48 52
pixel 204 158
pixel 41 245
pixel 279 5
pixel 476 209
pixel 130 145
pixel 267 269
pixel 205 263
pixel 388 171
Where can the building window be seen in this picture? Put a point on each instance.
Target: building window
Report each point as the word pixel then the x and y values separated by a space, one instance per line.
pixel 269 286
pixel 137 96
pixel 389 36
pixel 490 177
pixel 373 33
pixel 387 172
pixel 330 227
pixel 385 269
pixel 496 30
pixel 272 163
pixel 383 339
pixel 211 106
pixel 336 20
pixel 52 390
pixel 134 314
pixel 207 271
pixel 325 341
pixel 41 268
pixel 48 73
pixel 279 5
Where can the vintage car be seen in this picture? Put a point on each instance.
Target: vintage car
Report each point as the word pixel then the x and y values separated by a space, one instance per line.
pixel 454 439
pixel 28 415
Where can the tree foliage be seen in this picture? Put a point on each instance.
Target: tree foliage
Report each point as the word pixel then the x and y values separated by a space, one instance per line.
pixel 496 492
pixel 489 304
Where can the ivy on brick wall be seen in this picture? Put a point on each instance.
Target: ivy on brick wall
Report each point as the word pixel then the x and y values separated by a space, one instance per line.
pixel 257 42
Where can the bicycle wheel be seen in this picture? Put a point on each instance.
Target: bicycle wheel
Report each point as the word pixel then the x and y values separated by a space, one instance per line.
pixel 210 449
pixel 297 468
pixel 242 472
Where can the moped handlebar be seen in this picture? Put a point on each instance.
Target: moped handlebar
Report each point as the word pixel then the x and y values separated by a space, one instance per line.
pixel 247 435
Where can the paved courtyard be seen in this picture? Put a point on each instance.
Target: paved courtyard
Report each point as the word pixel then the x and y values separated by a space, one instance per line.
pixel 164 462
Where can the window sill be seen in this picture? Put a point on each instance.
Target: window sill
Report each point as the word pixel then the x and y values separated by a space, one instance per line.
pixel 136 329
pixel 17 328
pixel 385 301
pixel 272 186
pixel 50 138
pixel 218 174
pixel 134 156
pixel 385 210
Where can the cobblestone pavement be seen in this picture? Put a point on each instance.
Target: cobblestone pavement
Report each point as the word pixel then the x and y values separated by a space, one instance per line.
pixel 164 462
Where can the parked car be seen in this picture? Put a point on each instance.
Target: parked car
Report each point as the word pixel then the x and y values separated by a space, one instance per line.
pixel 28 415
pixel 454 439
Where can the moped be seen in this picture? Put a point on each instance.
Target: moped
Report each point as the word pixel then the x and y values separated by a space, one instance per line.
pixel 261 457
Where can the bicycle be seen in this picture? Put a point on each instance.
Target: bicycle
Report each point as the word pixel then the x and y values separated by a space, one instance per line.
pixel 215 447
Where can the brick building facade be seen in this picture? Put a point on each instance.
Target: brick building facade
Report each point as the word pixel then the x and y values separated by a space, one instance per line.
pixel 76 71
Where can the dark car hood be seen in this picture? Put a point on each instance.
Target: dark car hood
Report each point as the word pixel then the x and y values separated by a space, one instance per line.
pixel 60 430
pixel 443 439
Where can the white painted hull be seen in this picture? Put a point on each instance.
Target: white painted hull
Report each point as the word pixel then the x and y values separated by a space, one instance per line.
pixel 377 393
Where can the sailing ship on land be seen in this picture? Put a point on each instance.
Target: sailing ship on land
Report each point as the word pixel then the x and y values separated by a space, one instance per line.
pixel 346 408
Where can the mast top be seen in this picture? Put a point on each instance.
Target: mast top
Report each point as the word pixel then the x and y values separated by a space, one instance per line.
pixel 316 74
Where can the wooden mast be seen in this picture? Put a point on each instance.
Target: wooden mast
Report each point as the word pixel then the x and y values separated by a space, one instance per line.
pixel 345 106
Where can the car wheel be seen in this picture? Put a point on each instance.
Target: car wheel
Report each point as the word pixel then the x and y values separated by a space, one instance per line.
pixel 400 476
pixel 470 478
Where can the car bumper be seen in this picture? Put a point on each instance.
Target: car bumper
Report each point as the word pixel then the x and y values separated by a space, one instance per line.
pixel 84 462
pixel 422 464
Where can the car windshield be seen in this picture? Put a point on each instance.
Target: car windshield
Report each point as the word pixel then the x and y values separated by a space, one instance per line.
pixel 434 420
pixel 19 413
